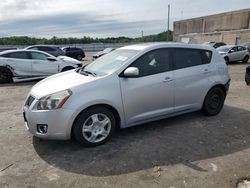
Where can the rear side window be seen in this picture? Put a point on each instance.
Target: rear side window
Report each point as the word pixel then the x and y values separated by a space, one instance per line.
pixel 46 49
pixel 184 58
pixel 241 48
pixel 18 55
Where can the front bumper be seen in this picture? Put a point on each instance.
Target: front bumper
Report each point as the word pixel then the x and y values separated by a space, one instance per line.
pixel 58 122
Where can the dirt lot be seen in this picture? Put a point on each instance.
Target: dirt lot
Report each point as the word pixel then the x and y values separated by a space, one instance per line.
pixel 186 151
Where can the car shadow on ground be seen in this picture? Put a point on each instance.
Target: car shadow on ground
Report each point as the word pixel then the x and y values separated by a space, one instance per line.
pixel 183 139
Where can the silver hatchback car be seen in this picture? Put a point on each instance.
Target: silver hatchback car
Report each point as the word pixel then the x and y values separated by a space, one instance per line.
pixel 129 86
pixel 234 53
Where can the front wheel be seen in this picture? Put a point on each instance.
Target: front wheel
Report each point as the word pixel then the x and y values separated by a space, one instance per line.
pixel 213 102
pixel 94 126
pixel 227 60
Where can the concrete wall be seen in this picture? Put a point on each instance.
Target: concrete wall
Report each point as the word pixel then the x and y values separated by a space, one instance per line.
pixel 214 27
pixel 229 37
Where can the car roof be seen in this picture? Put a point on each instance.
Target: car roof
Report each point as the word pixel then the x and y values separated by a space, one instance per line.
pixel 145 46
pixel 23 50
pixel 42 45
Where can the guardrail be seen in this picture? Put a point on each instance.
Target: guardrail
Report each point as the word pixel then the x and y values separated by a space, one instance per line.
pixel 93 47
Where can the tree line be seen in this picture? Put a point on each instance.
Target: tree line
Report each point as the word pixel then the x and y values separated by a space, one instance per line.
pixel 25 40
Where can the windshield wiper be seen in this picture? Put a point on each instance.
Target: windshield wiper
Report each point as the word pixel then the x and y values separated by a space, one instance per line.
pixel 86 73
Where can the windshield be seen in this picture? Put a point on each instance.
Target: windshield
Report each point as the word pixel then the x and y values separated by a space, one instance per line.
pixel 223 49
pixel 111 62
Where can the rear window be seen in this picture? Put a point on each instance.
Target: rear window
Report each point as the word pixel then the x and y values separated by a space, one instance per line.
pixel 184 58
pixel 46 49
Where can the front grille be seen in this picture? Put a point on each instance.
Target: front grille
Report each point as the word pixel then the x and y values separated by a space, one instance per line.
pixel 29 101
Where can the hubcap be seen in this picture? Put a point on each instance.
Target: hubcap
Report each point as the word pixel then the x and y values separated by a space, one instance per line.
pixel 214 102
pixel 96 128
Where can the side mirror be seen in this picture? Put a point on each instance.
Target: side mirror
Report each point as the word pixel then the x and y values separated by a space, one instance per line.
pixel 231 51
pixel 52 59
pixel 131 72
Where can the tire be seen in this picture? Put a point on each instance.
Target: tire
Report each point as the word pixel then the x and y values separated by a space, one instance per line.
pixel 67 68
pixel 246 58
pixel 213 102
pixel 227 60
pixel 79 57
pixel 5 75
pixel 94 126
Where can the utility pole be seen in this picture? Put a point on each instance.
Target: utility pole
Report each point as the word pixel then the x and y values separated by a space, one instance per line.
pixel 168 22
pixel 142 34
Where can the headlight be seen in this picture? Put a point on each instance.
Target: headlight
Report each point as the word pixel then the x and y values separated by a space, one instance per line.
pixel 54 101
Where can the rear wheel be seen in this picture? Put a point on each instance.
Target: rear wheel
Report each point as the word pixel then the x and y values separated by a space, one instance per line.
pixel 246 58
pixel 94 126
pixel 67 68
pixel 5 75
pixel 213 102
pixel 79 57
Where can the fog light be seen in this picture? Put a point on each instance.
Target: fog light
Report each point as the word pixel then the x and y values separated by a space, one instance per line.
pixel 42 128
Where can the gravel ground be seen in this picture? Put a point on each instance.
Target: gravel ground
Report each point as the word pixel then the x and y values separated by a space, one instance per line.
pixel 186 151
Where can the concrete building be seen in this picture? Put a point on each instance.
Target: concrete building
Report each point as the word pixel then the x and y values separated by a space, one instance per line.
pixel 230 27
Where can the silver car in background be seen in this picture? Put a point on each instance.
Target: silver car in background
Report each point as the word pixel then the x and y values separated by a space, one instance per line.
pixel 234 53
pixel 22 65
pixel 127 87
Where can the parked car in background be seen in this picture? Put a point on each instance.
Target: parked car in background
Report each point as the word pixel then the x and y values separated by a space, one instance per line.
pixel 215 44
pixel 247 76
pixel 129 86
pixel 234 53
pixel 53 50
pixel 4 49
pixel 247 45
pixel 74 52
pixel 103 52
pixel 30 64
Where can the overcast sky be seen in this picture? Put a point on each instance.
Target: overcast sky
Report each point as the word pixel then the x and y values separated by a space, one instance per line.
pixel 99 18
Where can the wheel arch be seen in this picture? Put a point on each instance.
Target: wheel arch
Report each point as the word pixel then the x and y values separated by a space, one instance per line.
pixel 109 107
pixel 221 86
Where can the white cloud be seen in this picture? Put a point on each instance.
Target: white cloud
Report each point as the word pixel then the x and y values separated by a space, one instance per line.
pixel 101 18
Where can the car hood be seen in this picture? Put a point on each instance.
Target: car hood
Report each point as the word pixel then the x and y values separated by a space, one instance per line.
pixel 68 60
pixel 60 82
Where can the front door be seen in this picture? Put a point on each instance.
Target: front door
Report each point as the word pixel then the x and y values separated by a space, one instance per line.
pixel 41 66
pixel 150 95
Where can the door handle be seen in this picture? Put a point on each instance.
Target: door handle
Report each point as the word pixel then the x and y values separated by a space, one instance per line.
pixel 168 79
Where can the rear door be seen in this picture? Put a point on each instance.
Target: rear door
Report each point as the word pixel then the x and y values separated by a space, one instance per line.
pixel 242 52
pixel 41 66
pixel 20 62
pixel 191 77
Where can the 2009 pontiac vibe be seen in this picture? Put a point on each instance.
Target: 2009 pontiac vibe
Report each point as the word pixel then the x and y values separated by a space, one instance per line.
pixel 129 86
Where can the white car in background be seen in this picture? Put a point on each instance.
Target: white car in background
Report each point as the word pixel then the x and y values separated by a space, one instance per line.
pixel 29 64
pixel 234 53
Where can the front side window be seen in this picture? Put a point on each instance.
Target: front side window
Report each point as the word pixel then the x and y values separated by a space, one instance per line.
pixel 39 56
pixel 234 49
pixel 153 62
pixel 184 58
